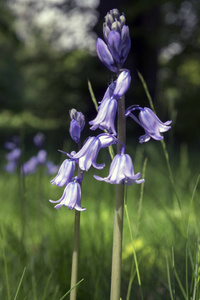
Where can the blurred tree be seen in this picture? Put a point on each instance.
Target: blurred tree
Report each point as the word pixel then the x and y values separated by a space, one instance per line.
pixel 46 58
pixel 10 75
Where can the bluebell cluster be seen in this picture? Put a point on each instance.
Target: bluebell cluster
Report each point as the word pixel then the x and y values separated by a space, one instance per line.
pixel 112 51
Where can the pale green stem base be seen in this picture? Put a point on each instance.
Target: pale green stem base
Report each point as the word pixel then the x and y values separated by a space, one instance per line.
pixel 119 212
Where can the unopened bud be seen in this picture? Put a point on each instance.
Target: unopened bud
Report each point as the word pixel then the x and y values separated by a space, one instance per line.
pixel 116 26
pixel 115 13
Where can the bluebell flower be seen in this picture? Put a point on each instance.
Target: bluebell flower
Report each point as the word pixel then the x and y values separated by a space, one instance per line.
pixel 87 155
pixel 76 125
pixel 122 84
pixel 105 118
pixel 121 171
pixel 65 173
pixel 150 122
pixel 105 56
pixel 109 91
pixel 71 196
pixel 39 139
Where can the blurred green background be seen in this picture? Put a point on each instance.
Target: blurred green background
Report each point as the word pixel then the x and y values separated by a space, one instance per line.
pixel 47 54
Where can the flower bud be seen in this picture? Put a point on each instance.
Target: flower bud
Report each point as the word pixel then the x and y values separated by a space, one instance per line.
pixel 76 125
pixel 122 84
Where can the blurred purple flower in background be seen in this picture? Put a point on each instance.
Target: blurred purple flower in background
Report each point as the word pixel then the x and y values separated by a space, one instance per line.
pixel 39 139
pixel 30 166
pixel 13 155
pixel 12 143
pixel 42 156
pixel 51 167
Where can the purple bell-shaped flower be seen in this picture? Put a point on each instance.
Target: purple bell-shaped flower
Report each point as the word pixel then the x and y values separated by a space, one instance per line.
pixel 71 196
pixel 121 171
pixel 150 122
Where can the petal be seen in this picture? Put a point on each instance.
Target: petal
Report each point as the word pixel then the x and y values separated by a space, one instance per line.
pixel 105 55
pixel 84 149
pixel 126 44
pixel 122 84
pixel 65 173
pixel 107 140
pixel 114 44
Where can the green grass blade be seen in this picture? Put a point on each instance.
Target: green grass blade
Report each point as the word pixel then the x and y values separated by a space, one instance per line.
pixel 92 94
pixel 46 286
pixel 186 271
pixel 5 265
pixel 180 284
pixel 141 197
pixel 20 283
pixel 196 271
pixel 191 201
pixel 71 289
pixel 134 252
pixel 169 280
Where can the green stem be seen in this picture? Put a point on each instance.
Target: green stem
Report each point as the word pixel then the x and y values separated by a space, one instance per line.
pixel 119 212
pixel 74 271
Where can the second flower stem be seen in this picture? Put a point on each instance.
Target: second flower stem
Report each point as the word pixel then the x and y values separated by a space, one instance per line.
pixel 118 213
pixel 74 272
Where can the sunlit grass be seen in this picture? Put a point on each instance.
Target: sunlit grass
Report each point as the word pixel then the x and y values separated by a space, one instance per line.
pixel 39 238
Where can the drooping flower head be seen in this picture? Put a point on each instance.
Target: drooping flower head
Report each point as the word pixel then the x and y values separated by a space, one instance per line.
pixel 114 51
pixel 150 122
pixel 121 171
pixel 76 125
pixel 87 155
pixel 107 110
pixel 71 196
pixel 65 173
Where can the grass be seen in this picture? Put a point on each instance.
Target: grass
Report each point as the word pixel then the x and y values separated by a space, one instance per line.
pixel 36 240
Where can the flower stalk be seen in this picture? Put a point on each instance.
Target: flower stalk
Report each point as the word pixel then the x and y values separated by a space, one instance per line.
pixel 118 213
pixel 75 254
pixel 74 271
